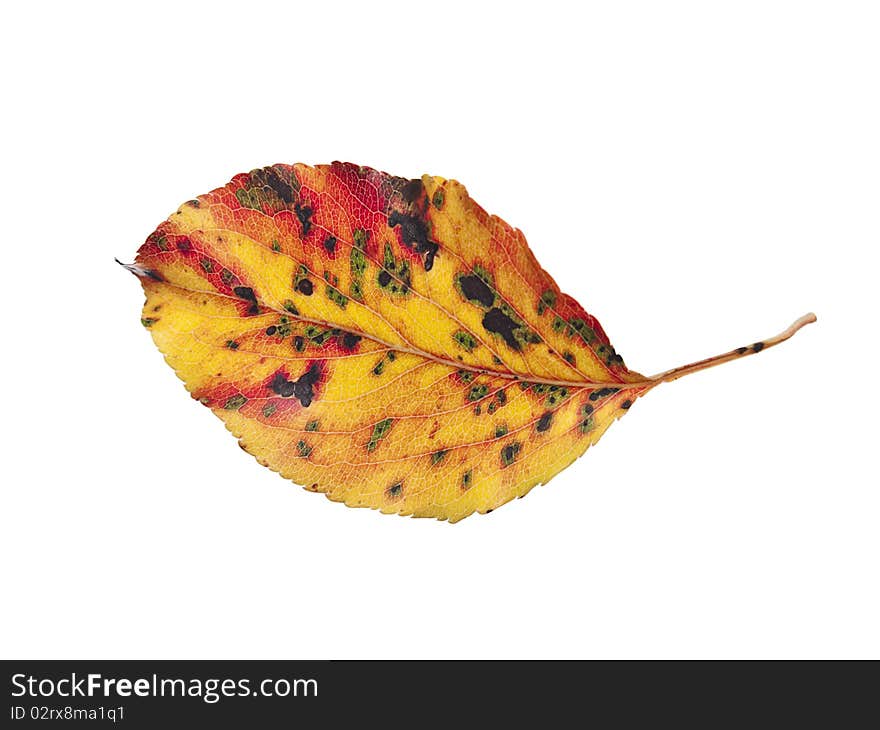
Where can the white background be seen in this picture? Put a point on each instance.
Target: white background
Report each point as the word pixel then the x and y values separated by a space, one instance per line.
pixel 696 174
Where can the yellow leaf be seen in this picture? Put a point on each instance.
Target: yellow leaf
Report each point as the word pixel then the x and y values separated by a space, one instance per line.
pixel 381 340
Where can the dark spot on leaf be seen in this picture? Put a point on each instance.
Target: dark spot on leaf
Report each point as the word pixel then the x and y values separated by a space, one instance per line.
pixel 304 286
pixel 282 188
pixel 395 491
pixel 302 389
pixel 350 340
pixel 438 456
pixel 384 278
pixel 497 322
pixel 757 347
pixel 246 293
pixel 477 290
pixel 412 191
pixel 299 344
pixel 603 393
pixel 271 330
pixel 466 479
pixel 330 244
pixel 742 350
pixel 414 235
pixel 509 452
pixel 544 422
pixel 304 213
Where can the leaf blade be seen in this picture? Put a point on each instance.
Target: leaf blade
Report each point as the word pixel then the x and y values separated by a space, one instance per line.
pixel 381 340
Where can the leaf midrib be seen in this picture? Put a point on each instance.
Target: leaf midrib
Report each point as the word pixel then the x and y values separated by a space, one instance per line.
pixel 455 364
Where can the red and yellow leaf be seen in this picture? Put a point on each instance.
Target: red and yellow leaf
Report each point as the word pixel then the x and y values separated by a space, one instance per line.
pixel 384 341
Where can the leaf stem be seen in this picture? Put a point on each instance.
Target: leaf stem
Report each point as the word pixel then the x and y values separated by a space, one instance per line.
pixel 710 362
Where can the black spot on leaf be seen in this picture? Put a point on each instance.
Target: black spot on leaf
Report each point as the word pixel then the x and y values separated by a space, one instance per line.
pixel 350 340
pixel 302 389
pixel 544 422
pixel 497 322
pixel 412 191
pixel 603 393
pixel 414 235
pixel 509 452
pixel 304 213
pixel 282 188
pixel 246 293
pixel 477 290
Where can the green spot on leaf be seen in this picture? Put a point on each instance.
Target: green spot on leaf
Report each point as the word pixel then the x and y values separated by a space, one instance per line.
pixel 465 339
pixel 337 297
pixel 467 478
pixel 509 453
pixel 358 262
pixel 235 402
pixel 360 237
pixel 380 430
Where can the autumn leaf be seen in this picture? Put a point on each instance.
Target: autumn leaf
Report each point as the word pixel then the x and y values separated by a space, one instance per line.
pixel 382 340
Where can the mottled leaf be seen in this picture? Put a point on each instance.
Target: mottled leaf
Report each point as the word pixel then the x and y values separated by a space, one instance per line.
pixel 382 340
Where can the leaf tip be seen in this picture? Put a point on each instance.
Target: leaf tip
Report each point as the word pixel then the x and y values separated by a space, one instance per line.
pixel 139 271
